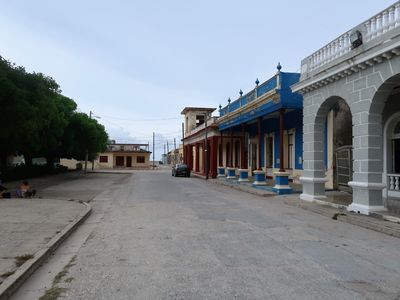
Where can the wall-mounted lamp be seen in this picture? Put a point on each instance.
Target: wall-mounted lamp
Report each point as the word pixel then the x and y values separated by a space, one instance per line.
pixel 356 39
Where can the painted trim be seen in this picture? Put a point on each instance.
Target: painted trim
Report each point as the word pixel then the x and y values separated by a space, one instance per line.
pixel 283 187
pixel 365 209
pixel 313 179
pixel 367 185
pixel 311 198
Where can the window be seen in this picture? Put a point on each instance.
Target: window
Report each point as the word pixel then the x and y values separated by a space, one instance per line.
pixel 140 159
pixel 199 120
pixel 103 159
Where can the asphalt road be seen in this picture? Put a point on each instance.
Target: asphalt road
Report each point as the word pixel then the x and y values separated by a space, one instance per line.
pixel 153 236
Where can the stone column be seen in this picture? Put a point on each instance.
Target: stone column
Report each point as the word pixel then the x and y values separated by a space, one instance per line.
pixel 313 177
pixel 213 156
pixel 221 159
pixel 367 176
pixel 243 158
pixel 259 143
pixel 231 150
pixel 197 159
pixel 204 158
pixel 190 158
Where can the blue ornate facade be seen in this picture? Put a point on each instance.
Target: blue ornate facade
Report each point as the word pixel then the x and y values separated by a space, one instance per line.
pixel 254 125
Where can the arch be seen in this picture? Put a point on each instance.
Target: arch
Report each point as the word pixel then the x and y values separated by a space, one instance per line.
pixel 336 122
pixel 315 147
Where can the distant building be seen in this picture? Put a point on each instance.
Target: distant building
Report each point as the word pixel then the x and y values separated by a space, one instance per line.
pixel 198 124
pixel 135 156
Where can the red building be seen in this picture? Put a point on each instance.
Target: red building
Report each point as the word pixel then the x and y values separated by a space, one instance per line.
pixel 201 140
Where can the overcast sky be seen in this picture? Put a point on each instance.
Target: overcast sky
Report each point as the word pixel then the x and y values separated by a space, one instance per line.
pixel 137 64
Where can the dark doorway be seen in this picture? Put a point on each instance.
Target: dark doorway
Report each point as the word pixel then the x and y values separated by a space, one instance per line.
pixel 237 153
pixel 129 161
pixel 228 154
pixel 396 155
pixel 119 161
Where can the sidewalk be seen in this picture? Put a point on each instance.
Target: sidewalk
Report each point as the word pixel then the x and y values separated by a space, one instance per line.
pixel 381 222
pixel 30 230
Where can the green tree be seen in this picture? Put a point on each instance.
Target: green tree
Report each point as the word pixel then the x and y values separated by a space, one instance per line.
pixel 37 120
pixel 84 134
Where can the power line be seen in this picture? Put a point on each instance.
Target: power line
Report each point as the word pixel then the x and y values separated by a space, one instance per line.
pixel 140 120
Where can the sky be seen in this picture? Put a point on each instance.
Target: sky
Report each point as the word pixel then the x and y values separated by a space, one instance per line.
pixel 137 64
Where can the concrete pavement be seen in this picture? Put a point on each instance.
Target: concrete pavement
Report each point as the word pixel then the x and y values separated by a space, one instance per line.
pixel 31 229
pixel 380 221
pixel 160 237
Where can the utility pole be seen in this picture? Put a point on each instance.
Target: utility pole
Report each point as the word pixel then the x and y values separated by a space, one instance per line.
pixel 183 145
pixel 87 150
pixel 164 155
pixel 153 149
pixel 174 151
pixel 168 153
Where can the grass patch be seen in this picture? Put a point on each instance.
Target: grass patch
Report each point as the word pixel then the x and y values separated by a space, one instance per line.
pixel 20 260
pixel 69 279
pixel 6 274
pixel 55 291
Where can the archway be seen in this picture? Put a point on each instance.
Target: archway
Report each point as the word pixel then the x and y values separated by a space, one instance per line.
pixel 325 163
pixel 335 118
pixel 389 94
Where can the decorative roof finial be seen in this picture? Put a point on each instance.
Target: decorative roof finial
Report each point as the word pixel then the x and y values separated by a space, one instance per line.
pixel 257 81
pixel 220 107
pixel 229 100
pixel 241 92
pixel 279 67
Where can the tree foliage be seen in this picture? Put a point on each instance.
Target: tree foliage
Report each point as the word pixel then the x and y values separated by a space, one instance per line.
pixel 37 120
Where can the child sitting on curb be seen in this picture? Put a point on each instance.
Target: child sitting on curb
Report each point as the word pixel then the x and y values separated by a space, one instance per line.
pixel 25 190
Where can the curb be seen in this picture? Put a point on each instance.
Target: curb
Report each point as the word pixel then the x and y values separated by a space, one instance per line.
pixel 244 189
pixel 13 282
pixel 380 223
pixel 372 222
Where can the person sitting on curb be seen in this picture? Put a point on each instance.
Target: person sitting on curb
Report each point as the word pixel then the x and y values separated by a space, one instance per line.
pixel 3 191
pixel 25 190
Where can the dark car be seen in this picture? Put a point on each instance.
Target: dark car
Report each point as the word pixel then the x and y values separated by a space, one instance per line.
pixel 180 170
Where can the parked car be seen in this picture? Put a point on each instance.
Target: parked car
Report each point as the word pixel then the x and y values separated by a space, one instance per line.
pixel 180 170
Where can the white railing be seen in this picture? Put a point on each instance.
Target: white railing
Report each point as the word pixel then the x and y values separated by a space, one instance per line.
pixel 210 121
pixel 373 28
pixel 393 181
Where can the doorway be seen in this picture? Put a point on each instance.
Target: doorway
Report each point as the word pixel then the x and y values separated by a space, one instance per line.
pixel 119 161
pixel 129 161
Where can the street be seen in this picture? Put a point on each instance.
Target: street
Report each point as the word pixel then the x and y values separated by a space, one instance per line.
pixel 153 236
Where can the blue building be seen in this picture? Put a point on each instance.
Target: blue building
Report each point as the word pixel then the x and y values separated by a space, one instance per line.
pixel 261 133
